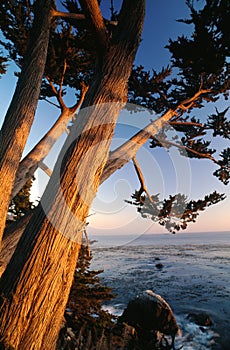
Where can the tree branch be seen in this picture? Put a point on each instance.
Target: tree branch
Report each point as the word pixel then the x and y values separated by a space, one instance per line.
pixel 92 12
pixel 58 94
pixel 45 168
pixel 77 16
pixel 189 150
pixel 188 103
pixel 84 89
pixel 123 154
pixel 141 179
pixel 30 163
pixel 176 123
pixel 62 77
pixel 52 103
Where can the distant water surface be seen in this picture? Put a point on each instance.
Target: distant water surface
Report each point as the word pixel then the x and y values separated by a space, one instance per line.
pixel 195 277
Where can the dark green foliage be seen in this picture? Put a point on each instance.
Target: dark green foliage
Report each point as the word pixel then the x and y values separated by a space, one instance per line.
pixel 202 60
pixel 223 173
pixel 16 19
pixel 175 212
pixel 71 52
pixel 198 62
pixel 21 204
pixel 86 297
pixel 219 124
pixel 150 89
pixel 3 64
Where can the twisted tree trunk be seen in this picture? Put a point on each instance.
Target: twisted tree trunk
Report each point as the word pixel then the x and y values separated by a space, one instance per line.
pixel 36 283
pixel 20 115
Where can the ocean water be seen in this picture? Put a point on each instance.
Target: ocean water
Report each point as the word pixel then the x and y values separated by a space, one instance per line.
pixel 194 277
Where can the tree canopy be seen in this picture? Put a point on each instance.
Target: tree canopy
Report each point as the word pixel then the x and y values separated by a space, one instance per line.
pixel 59 46
pixel 199 67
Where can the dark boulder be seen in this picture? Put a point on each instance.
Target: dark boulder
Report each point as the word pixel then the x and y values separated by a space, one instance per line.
pixel 159 266
pixel 201 319
pixel 149 313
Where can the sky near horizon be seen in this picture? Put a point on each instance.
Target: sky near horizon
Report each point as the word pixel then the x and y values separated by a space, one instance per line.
pixel 164 171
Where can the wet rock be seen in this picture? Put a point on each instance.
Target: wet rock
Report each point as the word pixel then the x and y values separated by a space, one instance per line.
pixel 157 259
pixel 159 266
pixel 149 313
pixel 201 319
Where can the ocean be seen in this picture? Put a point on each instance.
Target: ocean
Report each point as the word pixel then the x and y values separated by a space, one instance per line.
pixel 191 271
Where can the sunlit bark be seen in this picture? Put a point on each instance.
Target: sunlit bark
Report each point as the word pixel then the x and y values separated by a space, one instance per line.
pixel 36 283
pixel 20 115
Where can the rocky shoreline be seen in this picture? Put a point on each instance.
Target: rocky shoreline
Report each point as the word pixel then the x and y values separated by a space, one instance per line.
pixel 147 323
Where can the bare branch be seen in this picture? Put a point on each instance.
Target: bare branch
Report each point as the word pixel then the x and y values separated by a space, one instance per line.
pixel 176 123
pixel 187 104
pixel 45 168
pixel 93 14
pixel 58 94
pixel 77 16
pixel 84 89
pixel 52 103
pixel 189 150
pixel 30 163
pixel 52 86
pixel 62 78
pixel 141 179
pixel 123 154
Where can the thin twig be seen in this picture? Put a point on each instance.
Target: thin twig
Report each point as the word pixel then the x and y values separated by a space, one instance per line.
pixel 52 103
pixel 62 77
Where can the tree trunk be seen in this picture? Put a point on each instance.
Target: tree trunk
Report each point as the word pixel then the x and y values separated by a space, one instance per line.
pixel 20 115
pixel 12 234
pixel 36 283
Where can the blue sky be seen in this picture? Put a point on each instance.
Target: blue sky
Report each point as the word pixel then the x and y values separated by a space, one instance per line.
pixel 162 170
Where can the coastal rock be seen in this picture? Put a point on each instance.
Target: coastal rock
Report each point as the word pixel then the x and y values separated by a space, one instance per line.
pixel 201 319
pixel 150 313
pixel 159 266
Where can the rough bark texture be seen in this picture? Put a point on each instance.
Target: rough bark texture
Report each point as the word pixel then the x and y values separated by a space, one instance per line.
pixel 20 115
pixel 12 234
pixel 36 283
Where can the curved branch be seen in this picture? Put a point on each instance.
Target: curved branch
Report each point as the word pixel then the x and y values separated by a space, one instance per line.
pixel 57 93
pixel 188 103
pixel 141 179
pixel 84 89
